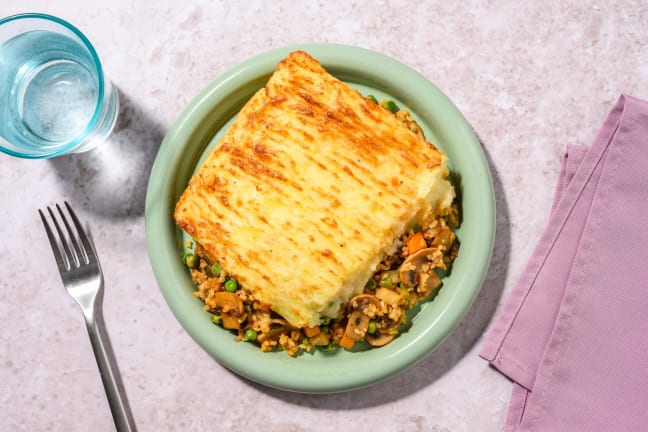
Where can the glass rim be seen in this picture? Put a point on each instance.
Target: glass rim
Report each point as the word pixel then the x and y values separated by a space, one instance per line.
pixel 59 150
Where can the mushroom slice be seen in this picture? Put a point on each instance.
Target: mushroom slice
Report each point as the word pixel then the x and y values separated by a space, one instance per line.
pixel 379 339
pixel 365 303
pixel 386 329
pixel 230 307
pixel 418 270
pixel 428 282
pixel 357 325
pixel 277 327
pixel 361 309
pixel 444 238
pixel 415 264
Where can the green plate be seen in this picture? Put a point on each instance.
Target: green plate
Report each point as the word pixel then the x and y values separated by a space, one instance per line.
pixel 196 131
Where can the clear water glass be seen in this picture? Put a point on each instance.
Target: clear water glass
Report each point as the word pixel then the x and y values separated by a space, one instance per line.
pixel 54 97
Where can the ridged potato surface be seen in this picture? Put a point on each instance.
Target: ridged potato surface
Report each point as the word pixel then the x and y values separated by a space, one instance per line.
pixel 308 190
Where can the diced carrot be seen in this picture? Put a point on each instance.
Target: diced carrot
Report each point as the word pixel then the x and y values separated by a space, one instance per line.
pixel 321 339
pixel 416 243
pixel 347 342
pixel 311 331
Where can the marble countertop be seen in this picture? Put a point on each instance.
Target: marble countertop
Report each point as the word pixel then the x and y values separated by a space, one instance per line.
pixel 529 77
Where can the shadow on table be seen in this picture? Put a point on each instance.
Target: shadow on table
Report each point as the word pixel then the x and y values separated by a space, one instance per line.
pixel 111 179
pixel 449 353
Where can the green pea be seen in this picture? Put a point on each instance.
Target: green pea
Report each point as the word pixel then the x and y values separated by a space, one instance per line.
pixel 324 329
pixel 391 106
pixel 386 282
pixel 372 98
pixel 328 348
pixel 216 269
pixel 231 285
pixel 189 259
pixel 306 341
pixel 250 335
pixel 371 284
pixel 217 319
pixel 372 327
pixel 324 320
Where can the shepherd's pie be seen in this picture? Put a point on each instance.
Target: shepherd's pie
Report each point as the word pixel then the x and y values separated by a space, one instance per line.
pixel 311 187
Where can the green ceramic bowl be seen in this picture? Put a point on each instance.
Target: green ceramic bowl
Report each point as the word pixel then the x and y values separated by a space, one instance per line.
pixel 197 130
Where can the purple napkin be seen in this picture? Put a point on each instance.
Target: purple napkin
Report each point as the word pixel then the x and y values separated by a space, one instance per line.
pixel 573 333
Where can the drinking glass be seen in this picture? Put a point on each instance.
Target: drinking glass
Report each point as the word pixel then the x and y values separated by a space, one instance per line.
pixel 54 97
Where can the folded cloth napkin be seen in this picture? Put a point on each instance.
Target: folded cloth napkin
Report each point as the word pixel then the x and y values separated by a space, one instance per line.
pixel 573 333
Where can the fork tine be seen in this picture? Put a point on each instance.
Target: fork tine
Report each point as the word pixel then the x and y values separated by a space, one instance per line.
pixel 87 243
pixel 81 254
pixel 61 260
pixel 71 257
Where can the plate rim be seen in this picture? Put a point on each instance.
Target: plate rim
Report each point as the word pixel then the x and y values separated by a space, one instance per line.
pixel 160 203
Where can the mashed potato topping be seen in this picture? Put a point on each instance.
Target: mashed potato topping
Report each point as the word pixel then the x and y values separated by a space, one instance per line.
pixel 320 217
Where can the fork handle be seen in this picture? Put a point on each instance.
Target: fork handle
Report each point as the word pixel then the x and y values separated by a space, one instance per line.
pixel 110 377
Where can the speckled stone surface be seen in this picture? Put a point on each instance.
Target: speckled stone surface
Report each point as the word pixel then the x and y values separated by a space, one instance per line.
pixel 531 77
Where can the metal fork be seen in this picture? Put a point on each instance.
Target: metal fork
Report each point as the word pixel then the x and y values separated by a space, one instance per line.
pixel 82 277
